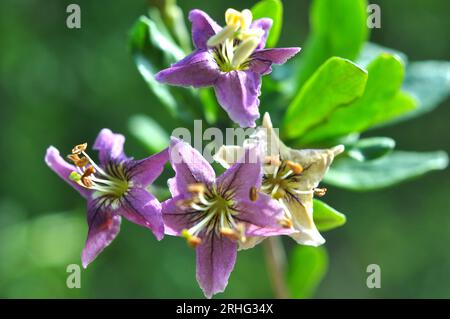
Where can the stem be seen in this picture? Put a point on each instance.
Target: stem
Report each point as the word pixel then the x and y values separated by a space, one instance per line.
pixel 276 264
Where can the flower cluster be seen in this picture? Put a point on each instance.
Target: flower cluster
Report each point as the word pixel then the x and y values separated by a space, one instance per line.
pixel 266 190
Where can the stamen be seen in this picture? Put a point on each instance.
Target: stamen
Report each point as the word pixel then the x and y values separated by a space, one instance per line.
pixel 224 34
pixel 244 50
pixel 253 194
pixel 320 192
pixel 230 233
pixel 285 222
pixel 87 182
pixel 74 176
pixel 78 149
pixel 193 241
pixel 295 167
pixel 196 188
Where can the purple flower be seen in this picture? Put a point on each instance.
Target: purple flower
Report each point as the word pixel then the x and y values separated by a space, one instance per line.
pixel 231 59
pixel 217 215
pixel 114 188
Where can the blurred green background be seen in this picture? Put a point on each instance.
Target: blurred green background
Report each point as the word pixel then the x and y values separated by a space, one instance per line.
pixel 60 86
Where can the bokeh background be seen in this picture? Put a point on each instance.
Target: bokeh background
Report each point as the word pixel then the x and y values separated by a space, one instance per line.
pixel 60 86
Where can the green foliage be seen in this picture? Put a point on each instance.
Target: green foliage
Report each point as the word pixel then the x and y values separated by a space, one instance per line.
pixel 335 84
pixel 367 149
pixel 326 217
pixel 270 9
pixel 429 83
pixel 382 101
pixel 149 133
pixel 338 28
pixel 307 267
pixel 388 170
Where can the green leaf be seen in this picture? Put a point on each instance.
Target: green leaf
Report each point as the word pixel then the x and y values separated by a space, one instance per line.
pixel 383 172
pixel 270 9
pixel 153 50
pixel 429 83
pixel 210 105
pixel 372 50
pixel 148 132
pixel 326 217
pixel 370 148
pixel 338 29
pixel 336 83
pixel 307 267
pixel 382 101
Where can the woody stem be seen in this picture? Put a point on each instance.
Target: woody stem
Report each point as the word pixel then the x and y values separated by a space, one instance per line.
pixel 276 264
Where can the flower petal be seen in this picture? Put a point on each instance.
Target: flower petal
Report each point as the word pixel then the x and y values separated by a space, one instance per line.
pixel 199 69
pixel 203 27
pixel 243 175
pixel 262 213
pixel 109 146
pixel 63 169
pixel 145 171
pixel 190 167
pixel 175 219
pixel 142 208
pixel 104 225
pixel 227 155
pixel 277 55
pixel 302 218
pixel 216 256
pixel 265 24
pixel 238 92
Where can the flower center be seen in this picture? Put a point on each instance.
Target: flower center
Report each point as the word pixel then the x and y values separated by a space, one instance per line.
pixel 111 181
pixel 234 44
pixel 213 212
pixel 284 184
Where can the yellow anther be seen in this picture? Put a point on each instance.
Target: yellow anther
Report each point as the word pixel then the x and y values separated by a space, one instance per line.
pixel 192 241
pixel 78 149
pixel 244 50
pixel 285 222
pixel 320 192
pixel 87 182
pixel 196 188
pixel 295 167
pixel 230 233
pixel 253 194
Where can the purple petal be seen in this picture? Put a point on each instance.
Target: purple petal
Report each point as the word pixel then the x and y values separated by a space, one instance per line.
pixel 216 257
pixel 199 69
pixel 277 55
pixel 145 171
pixel 190 167
pixel 175 219
pixel 109 146
pixel 203 27
pixel 238 92
pixel 104 225
pixel 243 175
pixel 63 169
pixel 264 213
pixel 264 24
pixel 142 208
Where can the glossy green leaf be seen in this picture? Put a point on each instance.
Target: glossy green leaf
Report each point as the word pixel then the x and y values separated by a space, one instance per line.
pixel 270 9
pixel 326 217
pixel 383 172
pixel 338 29
pixel 372 50
pixel 307 267
pixel 429 83
pixel 382 101
pixel 335 84
pixel 148 132
pixel 367 149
